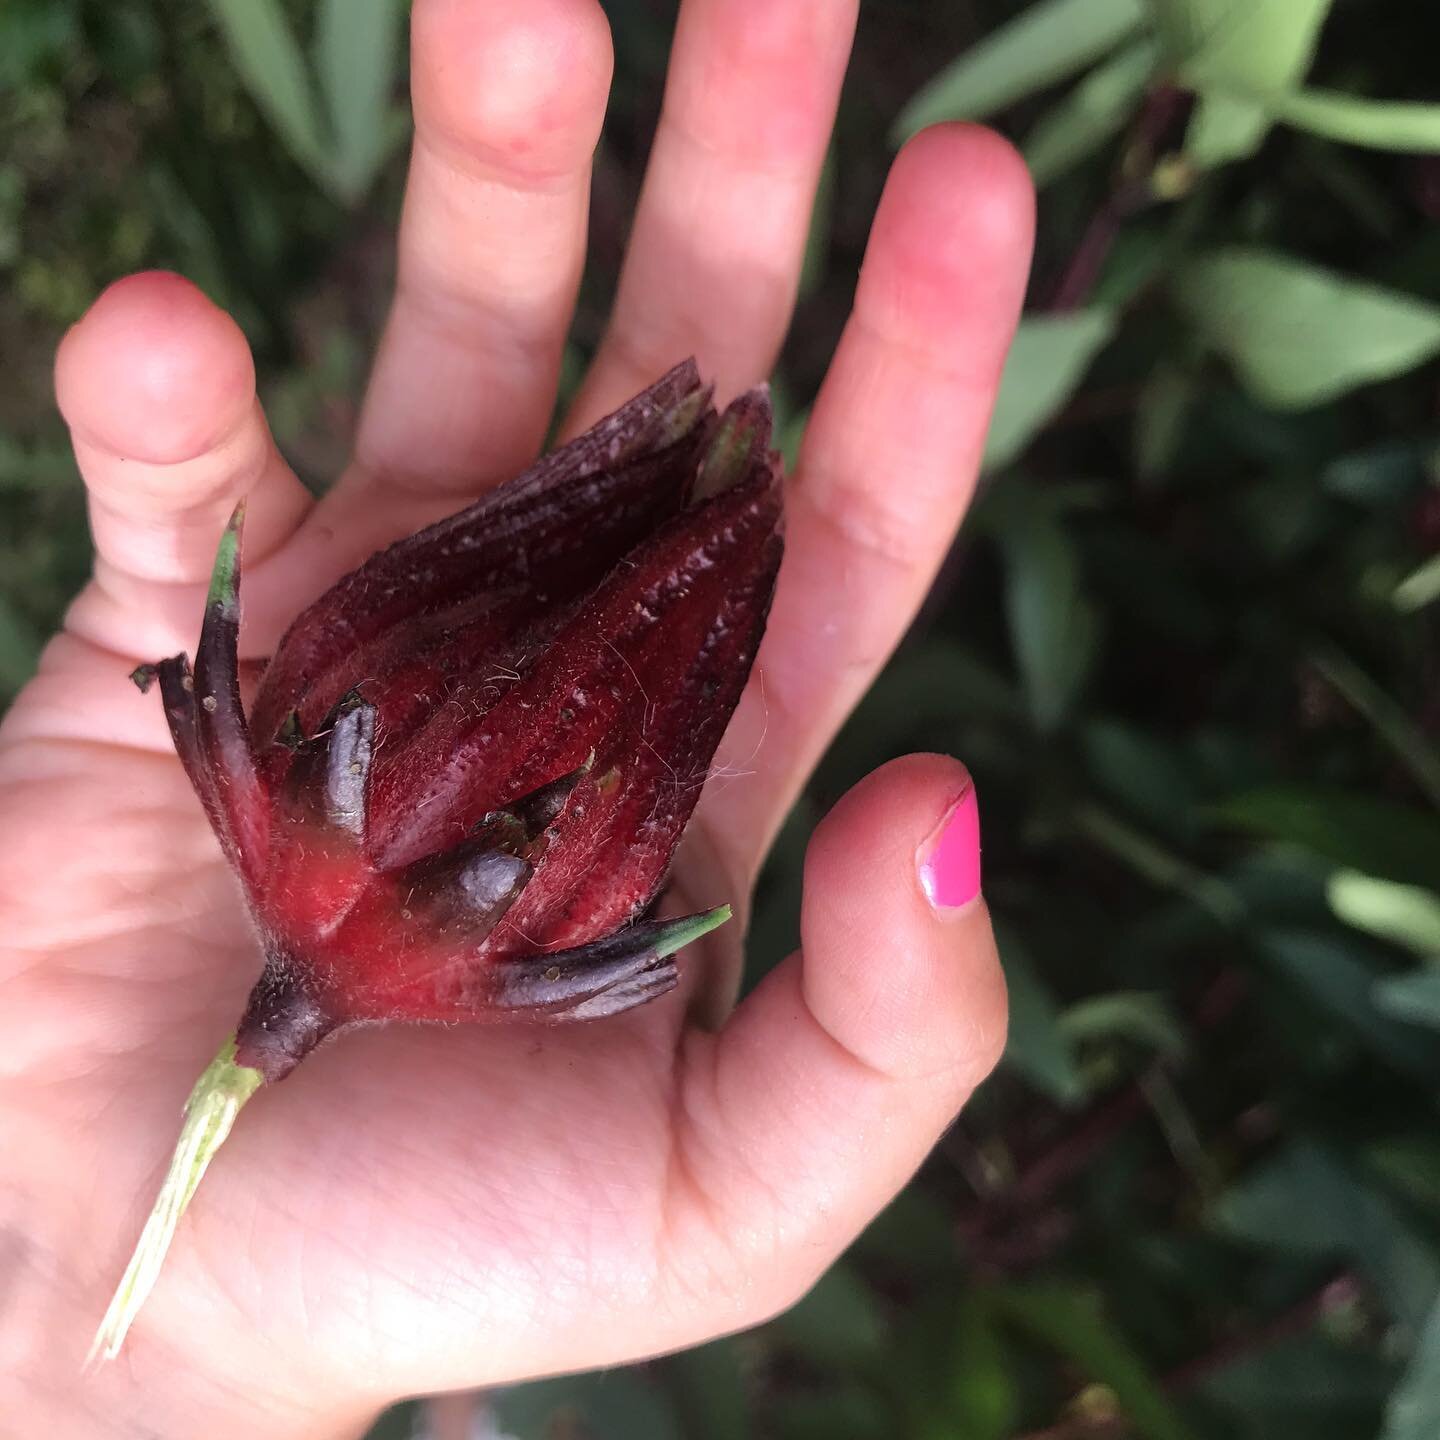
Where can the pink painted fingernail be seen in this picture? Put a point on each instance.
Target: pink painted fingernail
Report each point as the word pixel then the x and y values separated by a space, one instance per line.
pixel 949 860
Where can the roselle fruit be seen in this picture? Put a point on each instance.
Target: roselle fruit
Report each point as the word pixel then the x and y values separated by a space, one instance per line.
pixel 467 768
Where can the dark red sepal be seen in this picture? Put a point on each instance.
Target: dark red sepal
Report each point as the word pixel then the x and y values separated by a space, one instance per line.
pixel 573 514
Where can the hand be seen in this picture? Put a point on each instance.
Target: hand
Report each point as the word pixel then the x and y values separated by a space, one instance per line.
pixel 424 1209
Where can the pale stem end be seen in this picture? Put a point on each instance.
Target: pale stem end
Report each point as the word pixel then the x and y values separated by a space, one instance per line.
pixel 209 1113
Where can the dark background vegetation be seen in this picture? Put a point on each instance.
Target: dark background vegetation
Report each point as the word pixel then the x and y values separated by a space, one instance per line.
pixel 1186 644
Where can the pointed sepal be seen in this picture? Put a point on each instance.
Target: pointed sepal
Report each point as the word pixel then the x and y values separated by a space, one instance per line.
pixel 222 735
pixel 556 529
pixel 556 986
pixel 738 444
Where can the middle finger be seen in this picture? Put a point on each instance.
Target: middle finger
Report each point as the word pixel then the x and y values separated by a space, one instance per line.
pixel 719 239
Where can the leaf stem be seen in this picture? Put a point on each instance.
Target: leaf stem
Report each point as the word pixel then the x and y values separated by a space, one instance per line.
pixel 1134 189
pixel 210 1111
pixel 1389 718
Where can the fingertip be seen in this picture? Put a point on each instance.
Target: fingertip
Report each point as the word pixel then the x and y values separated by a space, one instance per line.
pixel 154 371
pixel 757 79
pixel 953 235
pixel 990 163
pixel 968 177
pixel 523 85
pixel 900 966
pixel 881 820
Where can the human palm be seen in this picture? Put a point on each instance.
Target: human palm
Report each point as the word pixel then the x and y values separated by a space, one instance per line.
pixel 423 1208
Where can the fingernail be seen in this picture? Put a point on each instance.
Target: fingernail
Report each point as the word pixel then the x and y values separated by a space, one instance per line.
pixel 949 860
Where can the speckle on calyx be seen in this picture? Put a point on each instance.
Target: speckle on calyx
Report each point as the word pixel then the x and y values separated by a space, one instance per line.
pixel 210 702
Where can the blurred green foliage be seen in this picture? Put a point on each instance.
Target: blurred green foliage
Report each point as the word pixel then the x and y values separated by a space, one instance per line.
pixel 1186 644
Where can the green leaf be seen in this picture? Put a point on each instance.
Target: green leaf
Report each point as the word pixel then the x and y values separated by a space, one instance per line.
pixel 270 63
pixel 1245 45
pixel 1304 1200
pixel 1419 588
pixel 1411 1164
pixel 1052 624
pixel 1414 998
pixel 1161 415
pixel 1092 113
pixel 1037 1047
pixel 1382 476
pixel 1403 914
pixel 1414 1409
pixel 1046 43
pixel 1145 773
pixel 1047 361
pixel 1260 43
pixel 356 47
pixel 1126 1014
pixel 1377 124
pixel 1224 128
pixel 838 1324
pixel 1346 827
pixel 35 37
pixel 1299 1386
pixel 1072 1324
pixel 1344 986
pixel 934 677
pixel 983 1395
pixel 1299 335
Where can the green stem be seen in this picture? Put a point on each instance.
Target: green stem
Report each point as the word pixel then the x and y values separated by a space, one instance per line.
pixel 1148 858
pixel 1389 718
pixel 209 1113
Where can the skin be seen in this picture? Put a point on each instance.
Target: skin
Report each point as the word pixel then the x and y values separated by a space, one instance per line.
pixel 419 1210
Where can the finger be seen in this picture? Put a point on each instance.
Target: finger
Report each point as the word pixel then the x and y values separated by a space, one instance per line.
pixel 890 458
pixel 508 101
pixel 158 388
pixel 830 1083
pixel 719 237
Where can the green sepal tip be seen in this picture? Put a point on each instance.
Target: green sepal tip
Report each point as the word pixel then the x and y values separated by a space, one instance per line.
pixel 676 934
pixel 225 576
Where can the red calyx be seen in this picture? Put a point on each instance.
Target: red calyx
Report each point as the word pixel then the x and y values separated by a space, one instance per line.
pixel 470 761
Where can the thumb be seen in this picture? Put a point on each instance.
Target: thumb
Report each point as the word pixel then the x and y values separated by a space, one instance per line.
pixel 830 1084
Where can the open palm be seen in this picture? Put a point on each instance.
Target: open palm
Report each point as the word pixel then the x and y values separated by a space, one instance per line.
pixel 422 1209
